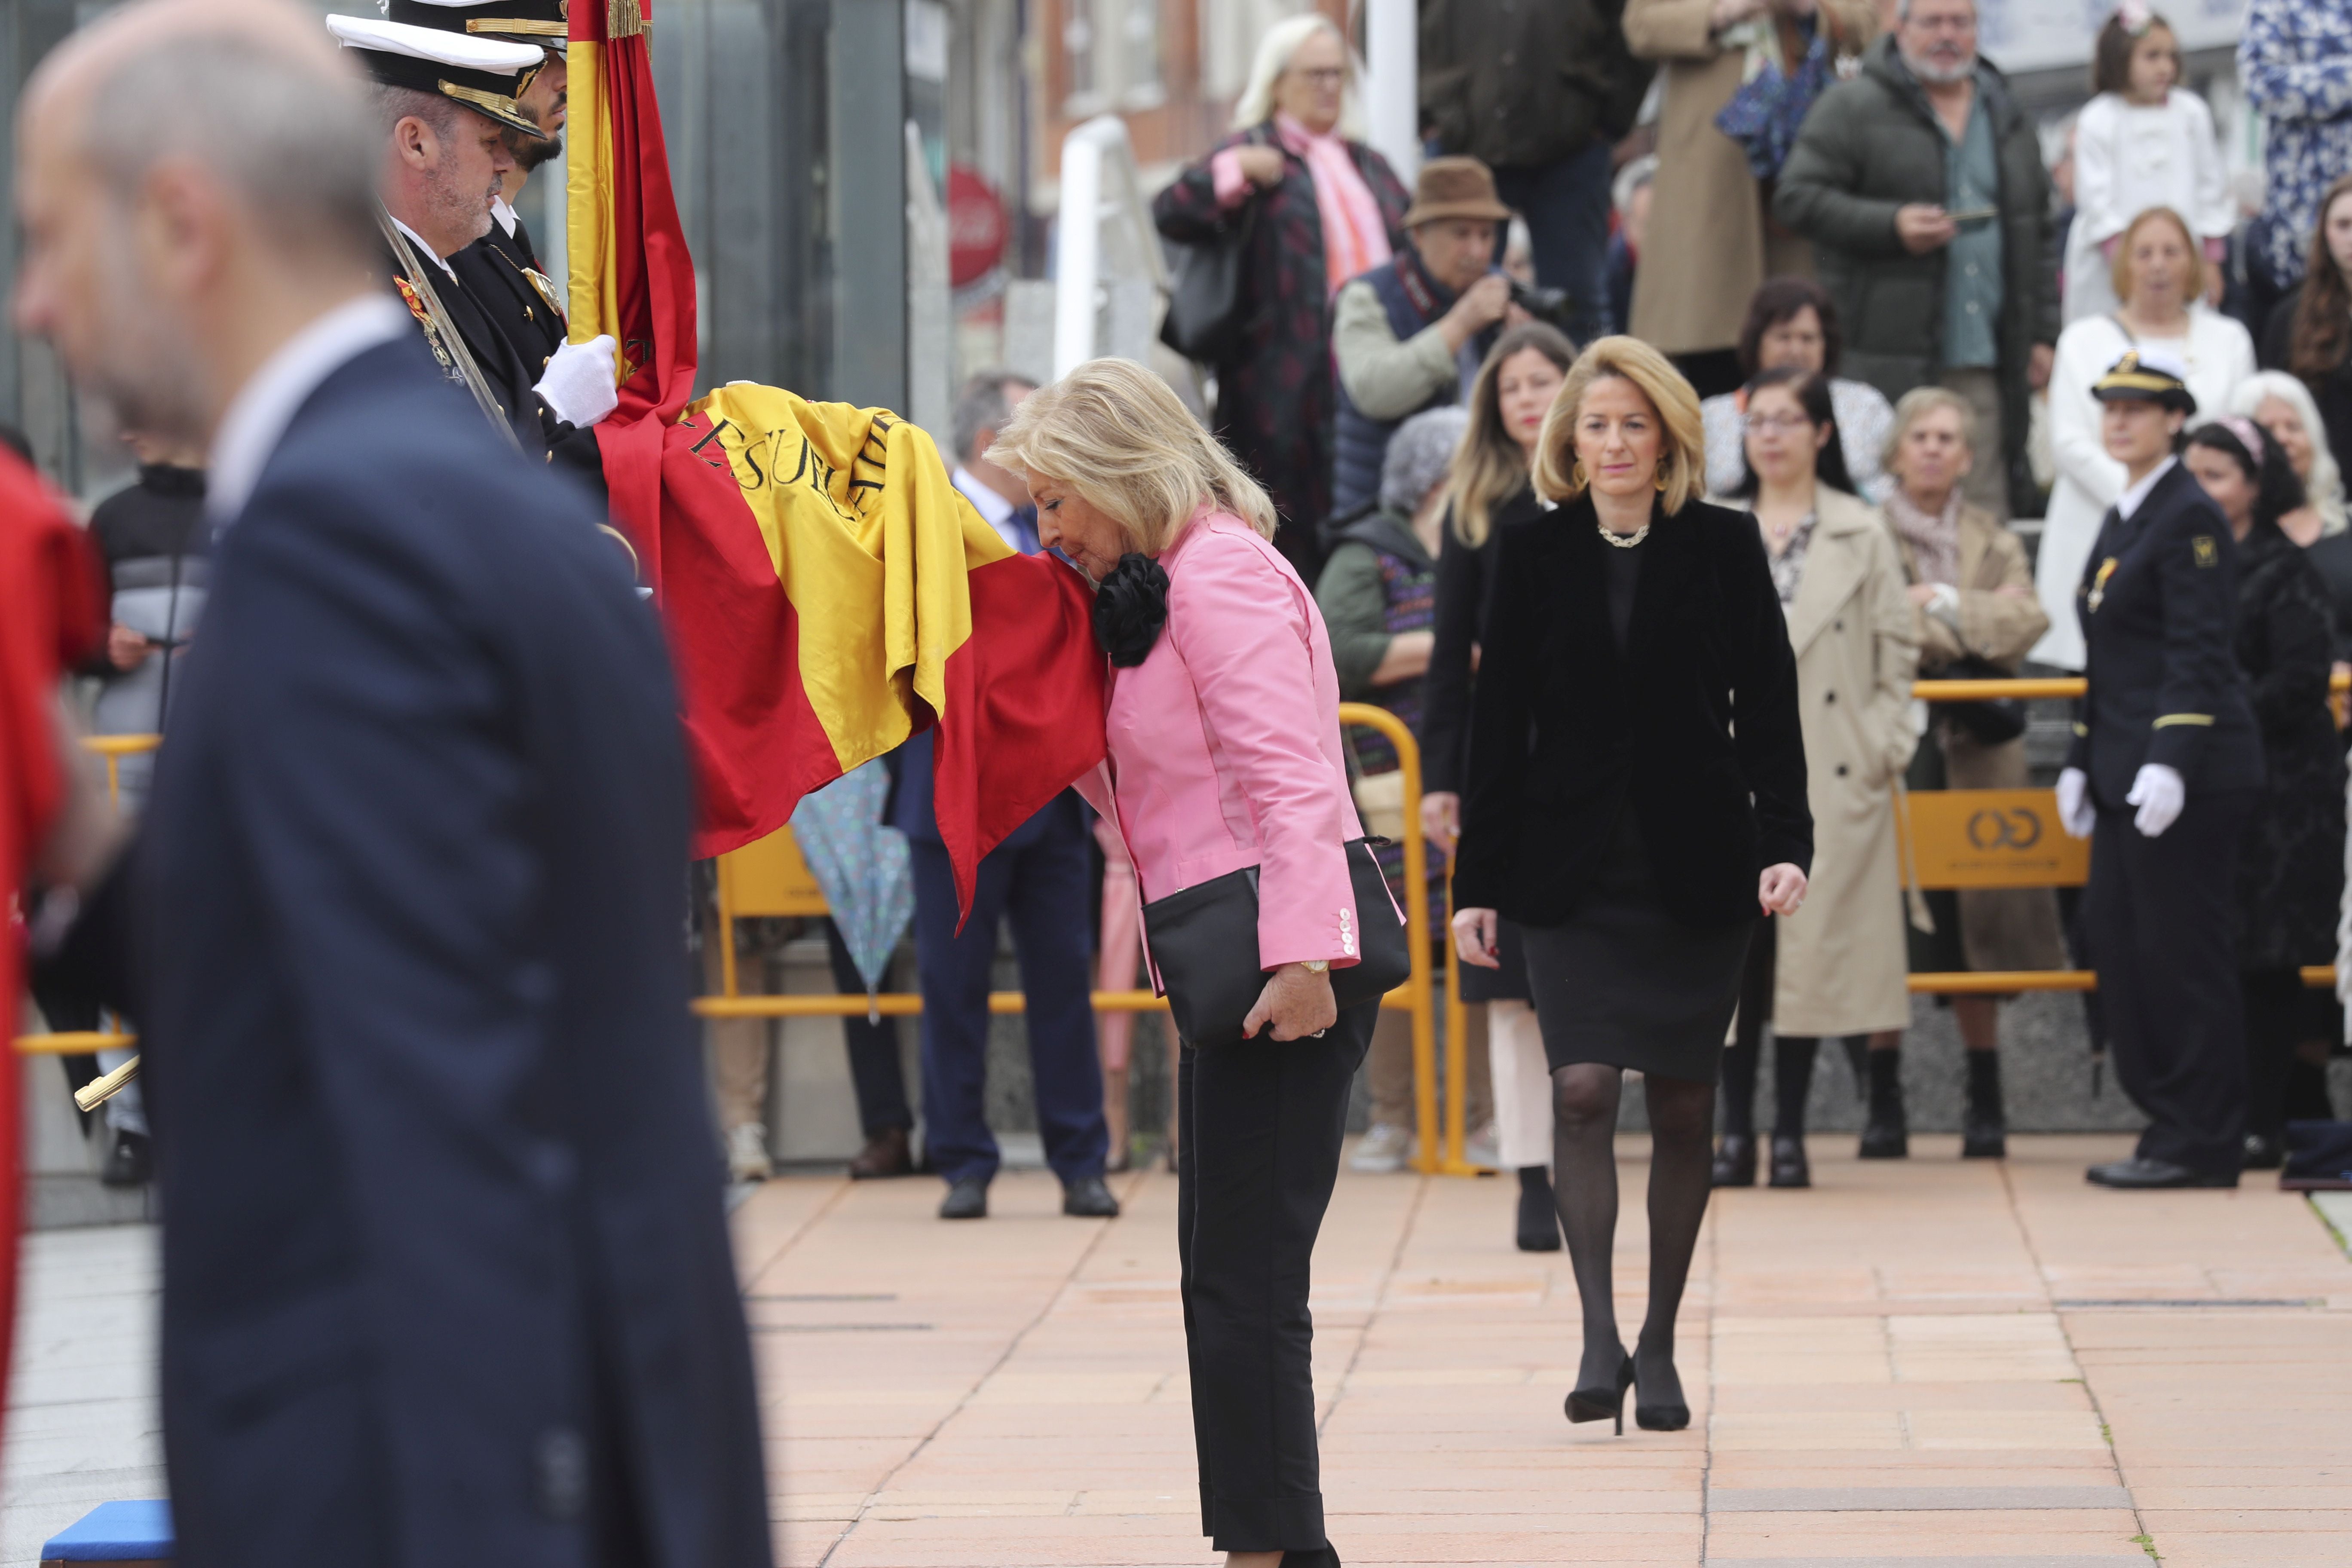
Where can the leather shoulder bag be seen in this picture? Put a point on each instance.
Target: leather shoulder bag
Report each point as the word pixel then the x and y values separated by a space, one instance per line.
pixel 1205 946
pixel 1208 297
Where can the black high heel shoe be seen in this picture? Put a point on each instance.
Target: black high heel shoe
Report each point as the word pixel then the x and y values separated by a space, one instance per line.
pixel 1657 1417
pixel 1603 1403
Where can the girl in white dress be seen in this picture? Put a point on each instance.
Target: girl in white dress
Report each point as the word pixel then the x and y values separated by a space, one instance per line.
pixel 2142 142
pixel 2160 273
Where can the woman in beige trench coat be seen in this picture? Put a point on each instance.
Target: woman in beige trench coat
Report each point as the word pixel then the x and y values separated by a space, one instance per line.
pixel 1711 240
pixel 1972 592
pixel 1836 967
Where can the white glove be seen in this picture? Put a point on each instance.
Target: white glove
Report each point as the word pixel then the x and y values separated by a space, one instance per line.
pixel 580 385
pixel 2159 793
pixel 2077 815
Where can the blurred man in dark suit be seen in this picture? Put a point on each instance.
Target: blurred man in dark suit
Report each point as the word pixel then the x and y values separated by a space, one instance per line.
pixel 445 1273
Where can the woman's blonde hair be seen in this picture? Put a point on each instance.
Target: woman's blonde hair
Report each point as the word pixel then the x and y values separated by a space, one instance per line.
pixel 1113 433
pixel 2120 272
pixel 1489 465
pixel 1275 48
pixel 1682 457
pixel 1917 405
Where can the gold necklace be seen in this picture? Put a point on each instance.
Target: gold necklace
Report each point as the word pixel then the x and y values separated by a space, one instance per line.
pixel 1623 540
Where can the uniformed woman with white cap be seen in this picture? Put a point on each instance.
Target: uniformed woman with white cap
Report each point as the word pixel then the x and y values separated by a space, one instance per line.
pixel 2163 771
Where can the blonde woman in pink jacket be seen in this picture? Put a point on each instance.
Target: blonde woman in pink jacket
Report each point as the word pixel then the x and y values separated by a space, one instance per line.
pixel 1223 728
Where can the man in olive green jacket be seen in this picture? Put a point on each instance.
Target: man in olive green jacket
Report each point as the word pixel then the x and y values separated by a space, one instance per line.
pixel 1920 185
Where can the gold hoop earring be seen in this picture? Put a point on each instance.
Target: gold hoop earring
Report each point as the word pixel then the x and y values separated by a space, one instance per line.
pixel 1660 479
pixel 1575 475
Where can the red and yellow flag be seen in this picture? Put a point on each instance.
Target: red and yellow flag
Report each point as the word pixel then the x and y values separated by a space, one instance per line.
pixel 827 590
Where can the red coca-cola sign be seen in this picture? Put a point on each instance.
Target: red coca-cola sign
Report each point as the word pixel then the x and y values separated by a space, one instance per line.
pixel 975 226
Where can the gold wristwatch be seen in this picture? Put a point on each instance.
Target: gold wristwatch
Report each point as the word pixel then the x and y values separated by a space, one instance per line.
pixel 1316 965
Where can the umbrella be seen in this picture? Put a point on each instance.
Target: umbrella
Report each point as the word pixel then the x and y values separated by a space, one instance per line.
pixel 861 864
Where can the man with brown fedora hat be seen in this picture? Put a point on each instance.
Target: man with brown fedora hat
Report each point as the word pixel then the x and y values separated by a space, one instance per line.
pixel 1410 334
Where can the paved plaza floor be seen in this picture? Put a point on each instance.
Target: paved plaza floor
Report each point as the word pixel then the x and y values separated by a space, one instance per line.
pixel 1979 1366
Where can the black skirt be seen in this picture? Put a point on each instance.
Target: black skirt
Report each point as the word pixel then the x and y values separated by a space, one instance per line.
pixel 1625 984
pixel 1506 982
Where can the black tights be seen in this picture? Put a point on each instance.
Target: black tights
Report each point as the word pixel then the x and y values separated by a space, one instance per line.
pixel 1585 1168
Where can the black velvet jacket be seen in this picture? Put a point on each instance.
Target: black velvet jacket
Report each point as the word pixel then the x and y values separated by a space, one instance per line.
pixel 1696 726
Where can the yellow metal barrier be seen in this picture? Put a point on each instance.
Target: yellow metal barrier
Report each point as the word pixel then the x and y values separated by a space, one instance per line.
pixel 84 1042
pixel 2002 848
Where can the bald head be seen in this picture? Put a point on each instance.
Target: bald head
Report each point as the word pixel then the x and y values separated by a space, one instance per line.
pixel 179 162
pixel 250 90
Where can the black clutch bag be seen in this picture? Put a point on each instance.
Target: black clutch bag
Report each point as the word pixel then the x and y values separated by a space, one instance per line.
pixel 1205 947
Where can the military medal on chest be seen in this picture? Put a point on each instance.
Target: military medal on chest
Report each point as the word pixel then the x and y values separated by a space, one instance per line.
pixel 2099 583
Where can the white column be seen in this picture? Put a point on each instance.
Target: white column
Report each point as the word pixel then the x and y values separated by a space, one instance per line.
pixel 1391 94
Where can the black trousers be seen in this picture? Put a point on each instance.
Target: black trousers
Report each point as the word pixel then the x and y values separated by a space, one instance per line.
pixel 1258 1131
pixel 873 1071
pixel 2157 918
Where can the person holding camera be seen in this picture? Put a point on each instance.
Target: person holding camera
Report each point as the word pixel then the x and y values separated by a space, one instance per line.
pixel 1411 333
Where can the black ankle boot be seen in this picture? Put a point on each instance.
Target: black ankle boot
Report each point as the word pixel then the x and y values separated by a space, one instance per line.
pixel 1790 1166
pixel 1886 1136
pixel 1735 1160
pixel 1984 1130
pixel 1538 1213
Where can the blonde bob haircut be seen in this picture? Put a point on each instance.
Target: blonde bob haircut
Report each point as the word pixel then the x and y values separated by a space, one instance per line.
pixel 1113 433
pixel 1682 456
pixel 1275 48
pixel 2119 272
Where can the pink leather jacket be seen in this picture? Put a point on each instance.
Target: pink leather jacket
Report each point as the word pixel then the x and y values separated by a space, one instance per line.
pixel 1224 744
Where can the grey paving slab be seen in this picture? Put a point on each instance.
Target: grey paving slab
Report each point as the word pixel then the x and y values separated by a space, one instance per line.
pixel 1907 1499
pixel 84 1426
pixel 2112 1561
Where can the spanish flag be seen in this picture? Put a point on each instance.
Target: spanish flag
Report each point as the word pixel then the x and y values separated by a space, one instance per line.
pixel 826 591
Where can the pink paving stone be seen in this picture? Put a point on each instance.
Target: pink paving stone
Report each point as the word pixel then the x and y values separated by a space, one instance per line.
pixel 1901 1326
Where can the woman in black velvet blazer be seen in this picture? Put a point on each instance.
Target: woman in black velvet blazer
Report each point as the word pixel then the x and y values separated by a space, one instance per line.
pixel 1694 726
pixel 1635 800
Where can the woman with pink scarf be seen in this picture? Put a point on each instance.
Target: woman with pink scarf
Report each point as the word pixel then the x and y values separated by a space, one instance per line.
pixel 1318 208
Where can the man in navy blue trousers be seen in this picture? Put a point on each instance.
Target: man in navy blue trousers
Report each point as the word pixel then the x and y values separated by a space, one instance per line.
pixel 1039 880
pixel 445 1272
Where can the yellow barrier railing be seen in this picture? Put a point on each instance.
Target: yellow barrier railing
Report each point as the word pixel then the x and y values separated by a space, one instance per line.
pixel 87 1042
pixel 1416 996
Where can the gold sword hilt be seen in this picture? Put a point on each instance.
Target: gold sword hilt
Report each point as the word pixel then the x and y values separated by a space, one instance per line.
pixel 98 1091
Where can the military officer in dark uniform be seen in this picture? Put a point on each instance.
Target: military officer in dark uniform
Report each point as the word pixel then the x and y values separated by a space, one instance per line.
pixel 446 97
pixel 2163 771
pixel 502 270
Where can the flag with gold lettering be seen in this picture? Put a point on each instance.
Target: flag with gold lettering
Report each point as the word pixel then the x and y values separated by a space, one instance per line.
pixel 826 591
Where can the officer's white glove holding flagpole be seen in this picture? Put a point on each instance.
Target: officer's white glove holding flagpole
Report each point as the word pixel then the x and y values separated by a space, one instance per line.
pixel 579 386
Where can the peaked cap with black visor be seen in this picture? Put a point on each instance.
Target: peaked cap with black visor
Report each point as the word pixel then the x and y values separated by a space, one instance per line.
pixel 540 22
pixel 480 73
pixel 2146 376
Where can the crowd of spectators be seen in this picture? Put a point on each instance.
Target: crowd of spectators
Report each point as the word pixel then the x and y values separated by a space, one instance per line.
pixel 1882 277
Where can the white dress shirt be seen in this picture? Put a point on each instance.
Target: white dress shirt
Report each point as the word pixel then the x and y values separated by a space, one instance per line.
pixel 506 215
pixel 2129 503
pixel 988 504
pixel 257 416
pixel 424 250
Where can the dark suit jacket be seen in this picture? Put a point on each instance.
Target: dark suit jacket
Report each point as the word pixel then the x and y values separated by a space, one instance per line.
pixel 2165 686
pixel 1465 597
pixel 1695 728
pixel 447 1278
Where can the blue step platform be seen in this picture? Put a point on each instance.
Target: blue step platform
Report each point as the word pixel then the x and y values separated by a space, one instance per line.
pixel 130 1534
